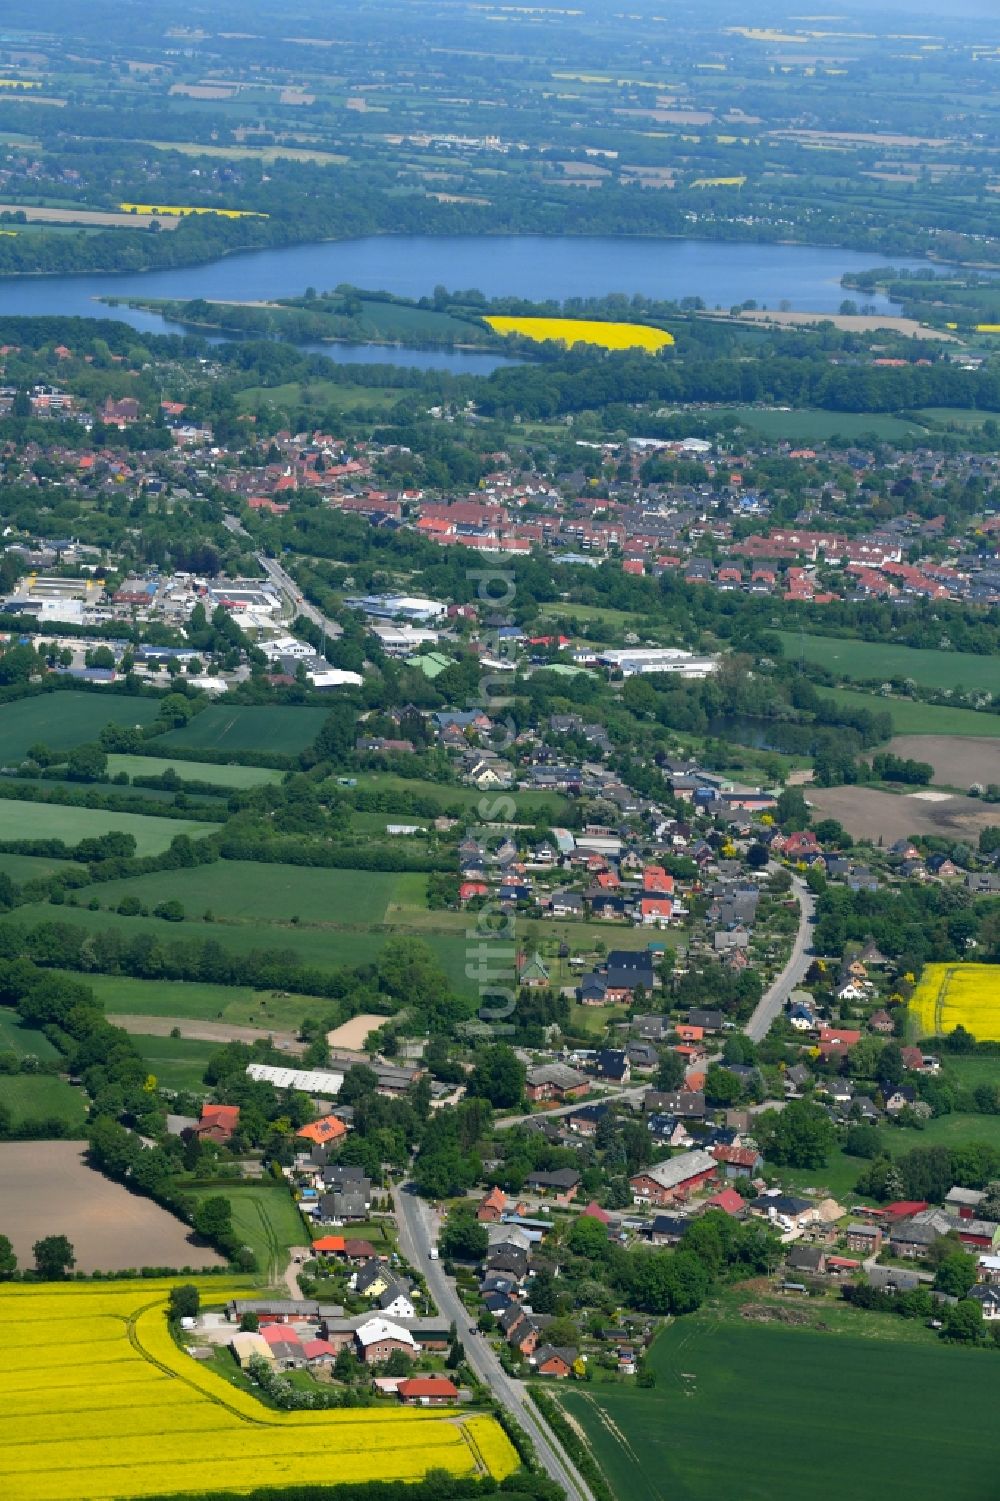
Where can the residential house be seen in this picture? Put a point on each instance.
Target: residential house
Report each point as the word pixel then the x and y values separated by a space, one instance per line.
pixel 988 1298
pixel 491 1206
pixel 562 1184
pixel 669 1229
pixel 395 1301
pixel 555 1081
pixel 427 1391
pixel 613 1064
pixel 378 1338
pixel 785 1210
pixel 685 1104
pixel 674 1180
pixel 372 1279
pixel 738 1162
pixel 217 1123
pixel 550 1360
pixel 585 1119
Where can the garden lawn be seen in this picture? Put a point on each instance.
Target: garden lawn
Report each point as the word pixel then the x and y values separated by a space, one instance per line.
pixel 62 720
pixel 769 1414
pixel 871 660
pixel 177 1062
pixel 281 730
pixel 444 795
pixel 57 821
pixel 41 1095
pixel 912 718
pixel 193 771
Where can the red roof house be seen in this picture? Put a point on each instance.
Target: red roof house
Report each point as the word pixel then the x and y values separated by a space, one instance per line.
pixel 218 1122
pixel 427 1391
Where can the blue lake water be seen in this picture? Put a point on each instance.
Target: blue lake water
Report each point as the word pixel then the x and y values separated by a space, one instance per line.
pixel 806 277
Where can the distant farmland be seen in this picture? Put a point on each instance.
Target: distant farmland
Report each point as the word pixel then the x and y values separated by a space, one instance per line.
pixel 56 821
pixel 246 728
pixel 912 718
pixel 62 720
pixel 871 661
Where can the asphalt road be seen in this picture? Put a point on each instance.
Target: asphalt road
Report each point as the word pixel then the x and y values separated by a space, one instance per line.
pixel 417 1233
pixel 297 600
pixel 794 971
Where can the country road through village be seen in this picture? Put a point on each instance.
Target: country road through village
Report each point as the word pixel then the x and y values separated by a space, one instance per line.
pixel 417 1233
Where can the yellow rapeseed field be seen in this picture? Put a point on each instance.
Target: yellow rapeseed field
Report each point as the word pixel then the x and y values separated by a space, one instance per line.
pixel 178 211
pixel 583 331
pixel 718 182
pixel 950 995
pixel 99 1404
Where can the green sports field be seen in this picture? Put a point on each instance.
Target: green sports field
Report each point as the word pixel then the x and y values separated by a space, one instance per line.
pixel 62 720
pixel 57 821
pixel 911 718
pixel 868 661
pixel 193 771
pixel 247 728
pixel 751 1413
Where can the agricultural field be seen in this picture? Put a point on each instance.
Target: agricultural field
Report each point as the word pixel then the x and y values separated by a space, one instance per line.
pixel 912 718
pixel 317 394
pixel 29 1096
pixel 193 771
pixel 58 821
pixel 243 890
pixel 22 868
pixel 47 1188
pixel 582 331
pixel 868 813
pixel 869 661
pixel 241 728
pixel 804 425
pixel 62 720
pixel 777 1395
pixel 114 1396
pixel 956 762
pixel 952 995
pixel 324 948
pixel 528 804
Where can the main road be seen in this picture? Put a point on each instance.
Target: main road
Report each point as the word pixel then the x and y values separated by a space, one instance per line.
pixel 284 582
pixel 417 1234
pixel 794 971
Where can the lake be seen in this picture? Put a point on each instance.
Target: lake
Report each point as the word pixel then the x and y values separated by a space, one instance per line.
pixel 807 277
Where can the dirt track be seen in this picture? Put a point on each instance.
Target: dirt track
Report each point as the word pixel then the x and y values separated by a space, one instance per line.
pixel 198 1031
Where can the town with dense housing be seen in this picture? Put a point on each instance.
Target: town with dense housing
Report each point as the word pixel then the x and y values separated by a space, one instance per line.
pixel 499 752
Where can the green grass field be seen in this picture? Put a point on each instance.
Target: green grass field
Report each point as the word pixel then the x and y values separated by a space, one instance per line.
pixel 243 890
pixel 194 1001
pixel 317 394
pixel 324 948
pixel 29 1096
pixel 842 1172
pixel 247 728
pixel 528 804
pixel 870 660
pixel 911 718
pixel 56 821
pixel 804 425
pixel 193 771
pixel 23 1040
pixel 62 720
pixel 751 1413
pixel 266 1218
pixel 177 1062
pixel 23 868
